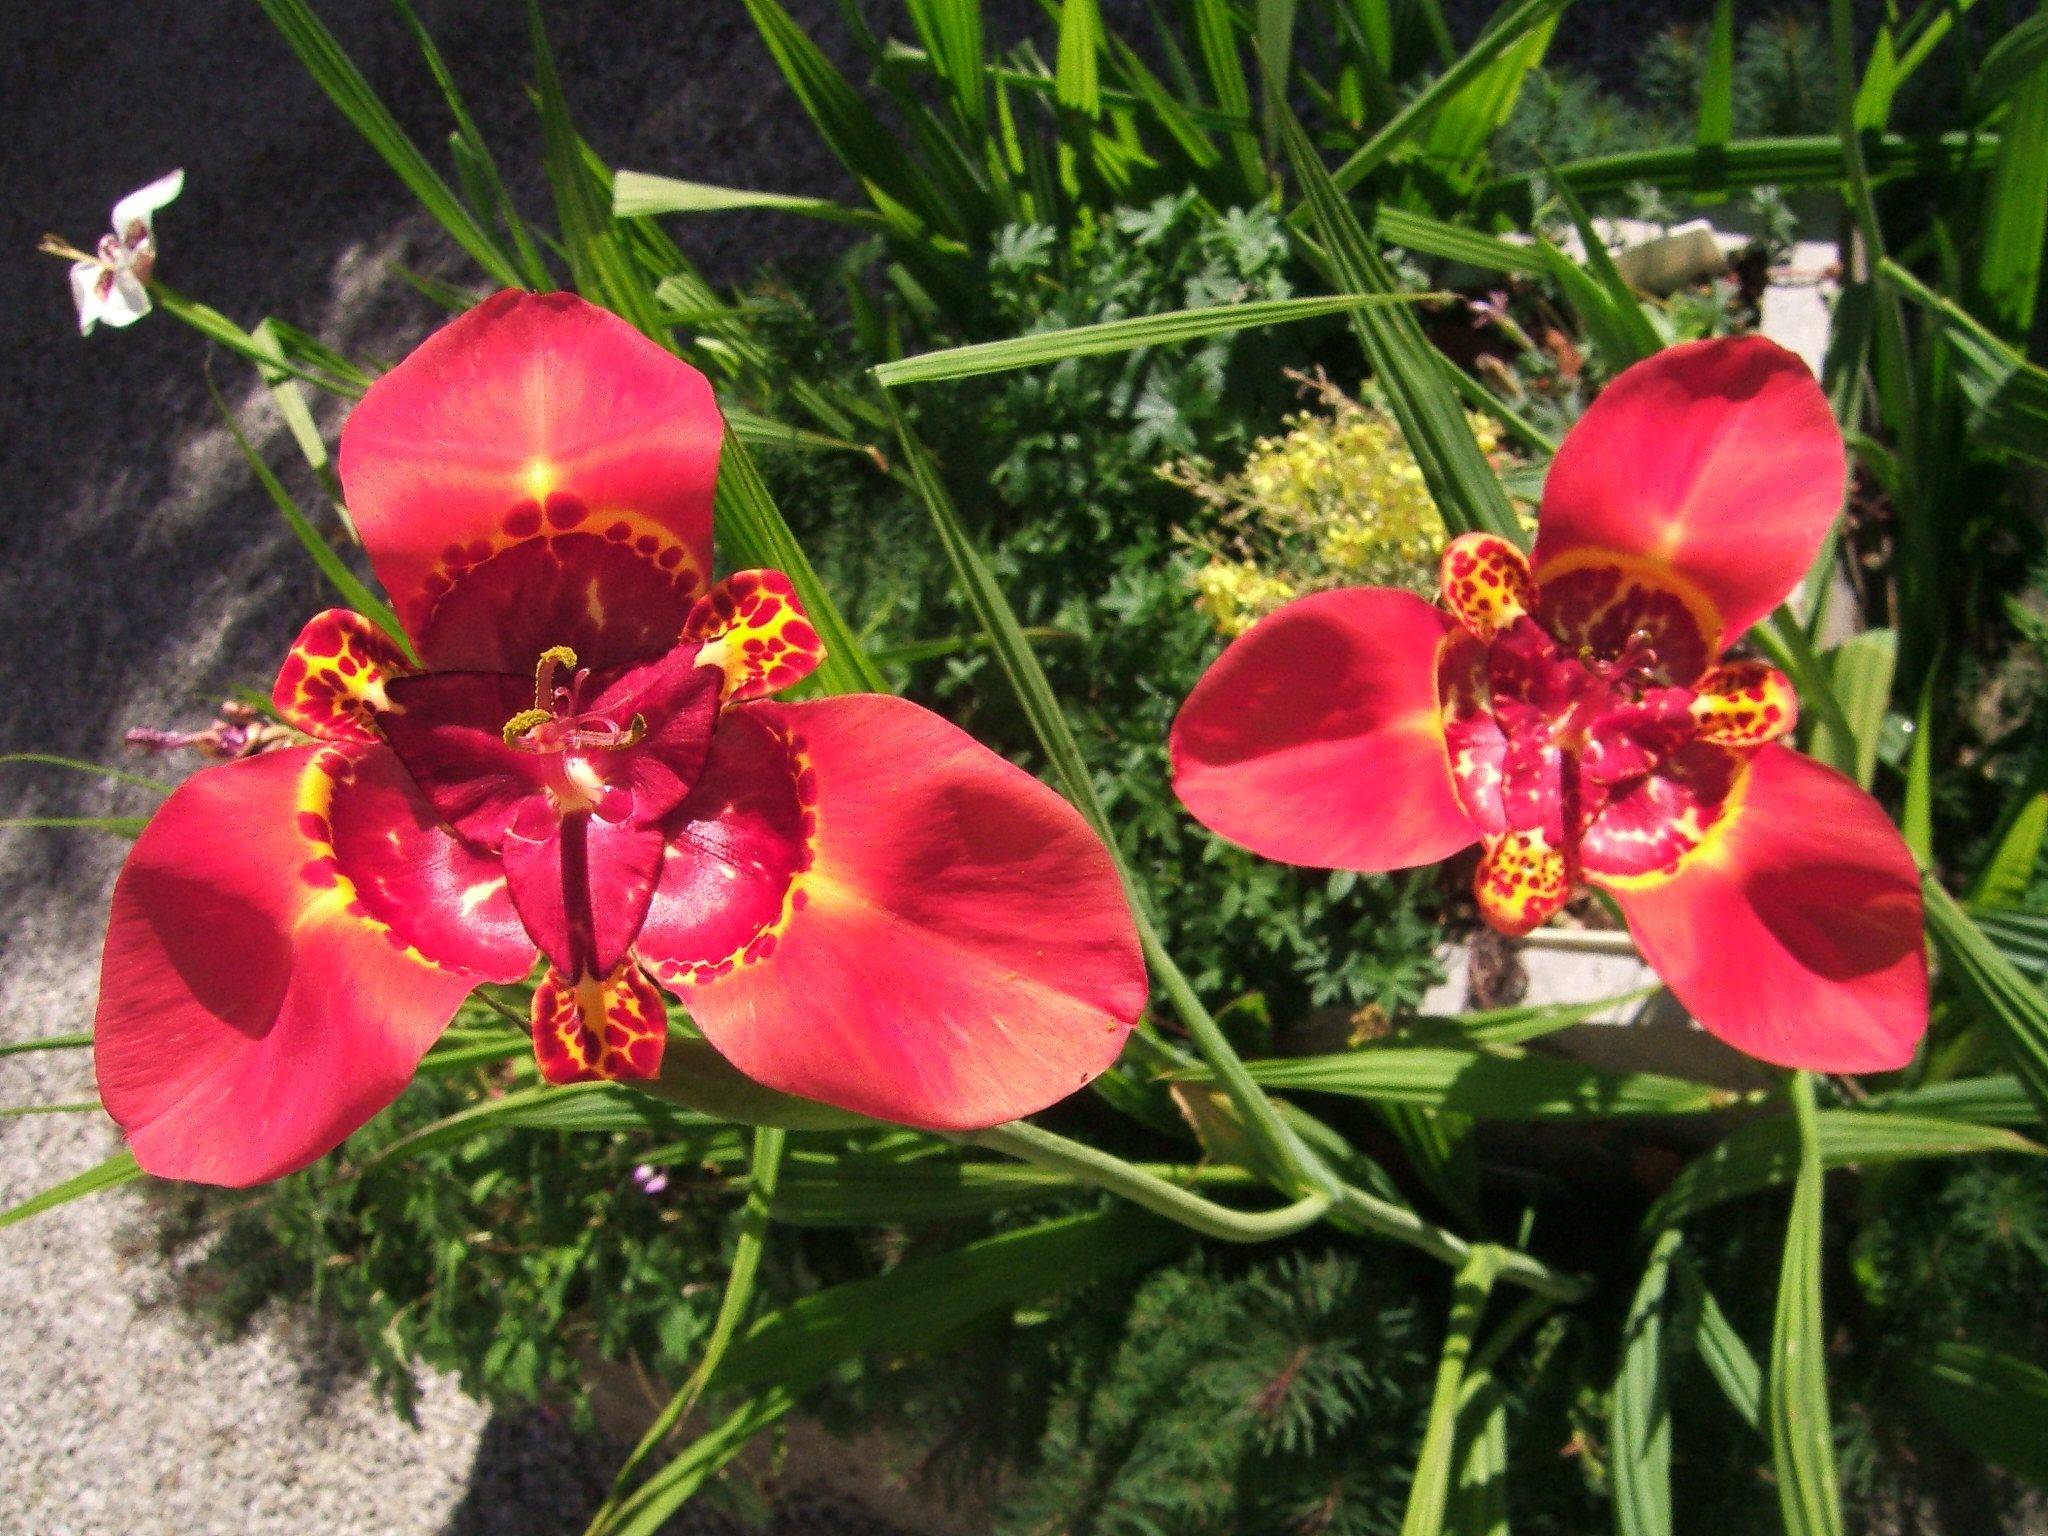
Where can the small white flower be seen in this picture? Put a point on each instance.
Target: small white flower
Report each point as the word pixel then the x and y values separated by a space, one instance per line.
pixel 110 285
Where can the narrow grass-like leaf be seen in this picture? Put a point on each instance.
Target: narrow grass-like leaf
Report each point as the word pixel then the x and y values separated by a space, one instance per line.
pixel 1998 1099
pixel 351 588
pixel 1766 1153
pixel 863 145
pixel 2009 62
pixel 582 1107
pixel 2008 872
pixel 1717 81
pixel 1453 242
pixel 738 1300
pixel 1727 1358
pixel 79 765
pixel 2016 209
pixel 1122 336
pixel 46 1043
pixel 345 86
pixel 1633 334
pixel 1490 1085
pixel 1804 160
pixel 116 1170
pixel 1517 1025
pixel 494 197
pixel 1639 1413
pixel 1076 77
pixel 600 261
pixel 2008 394
pixel 1465 123
pixel 637 194
pixel 124 826
pixel 1428 1493
pixel 1407 369
pixel 1443 1152
pixel 1860 678
pixel 1991 986
pixel 1801 1432
pixel 1509 27
pixel 753 534
pixel 1996 1405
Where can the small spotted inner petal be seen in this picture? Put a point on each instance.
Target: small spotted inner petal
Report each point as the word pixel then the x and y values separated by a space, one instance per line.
pixel 595 1028
pixel 1486 583
pixel 1744 704
pixel 332 681
pixel 1522 881
pixel 752 626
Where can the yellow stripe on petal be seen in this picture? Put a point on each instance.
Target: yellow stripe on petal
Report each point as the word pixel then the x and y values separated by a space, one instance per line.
pixel 1522 882
pixel 1486 583
pixel 598 1028
pixel 1744 704
pixel 753 627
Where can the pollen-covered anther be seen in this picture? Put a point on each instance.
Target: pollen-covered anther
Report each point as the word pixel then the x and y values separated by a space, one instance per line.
pixel 1744 704
pixel 592 1028
pixel 1522 882
pixel 1487 584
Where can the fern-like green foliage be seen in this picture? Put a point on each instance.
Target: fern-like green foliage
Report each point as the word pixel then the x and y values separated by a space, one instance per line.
pixel 1278 1397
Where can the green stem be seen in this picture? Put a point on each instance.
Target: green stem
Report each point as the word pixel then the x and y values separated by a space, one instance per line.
pixel 1044 1149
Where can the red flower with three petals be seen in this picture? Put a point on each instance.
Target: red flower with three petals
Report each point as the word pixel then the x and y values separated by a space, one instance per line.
pixel 1577 718
pixel 857 902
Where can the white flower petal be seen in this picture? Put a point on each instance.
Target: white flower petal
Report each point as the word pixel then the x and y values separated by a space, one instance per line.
pixel 85 293
pixel 137 206
pixel 128 302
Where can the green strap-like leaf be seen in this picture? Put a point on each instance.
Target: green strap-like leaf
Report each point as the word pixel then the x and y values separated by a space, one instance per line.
pixel 1500 1084
pixel 1727 1358
pixel 1801 1430
pixel 1121 336
pixel 345 86
pixel 1991 986
pixel 1407 369
pixel 1639 1414
pixel 765 1170
pixel 1766 1153
pixel 1428 1494
pixel 116 1170
pixel 1996 1405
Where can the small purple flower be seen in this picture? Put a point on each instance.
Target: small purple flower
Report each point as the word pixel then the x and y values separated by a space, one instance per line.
pixel 239 731
pixel 651 1180
pixel 1491 310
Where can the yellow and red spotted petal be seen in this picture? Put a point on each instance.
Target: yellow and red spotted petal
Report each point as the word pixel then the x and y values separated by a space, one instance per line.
pixel 1486 583
pixel 598 1027
pixel 332 681
pixel 1316 737
pixel 1717 462
pixel 1472 736
pixel 1522 881
pixel 537 473
pixel 1744 704
pixel 949 945
pixel 1795 933
pixel 753 628
pixel 254 1009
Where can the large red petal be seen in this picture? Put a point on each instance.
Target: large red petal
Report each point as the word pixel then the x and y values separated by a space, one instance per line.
pixel 1717 460
pixel 1794 931
pixel 537 473
pixel 955 953
pixel 1316 737
pixel 253 1012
